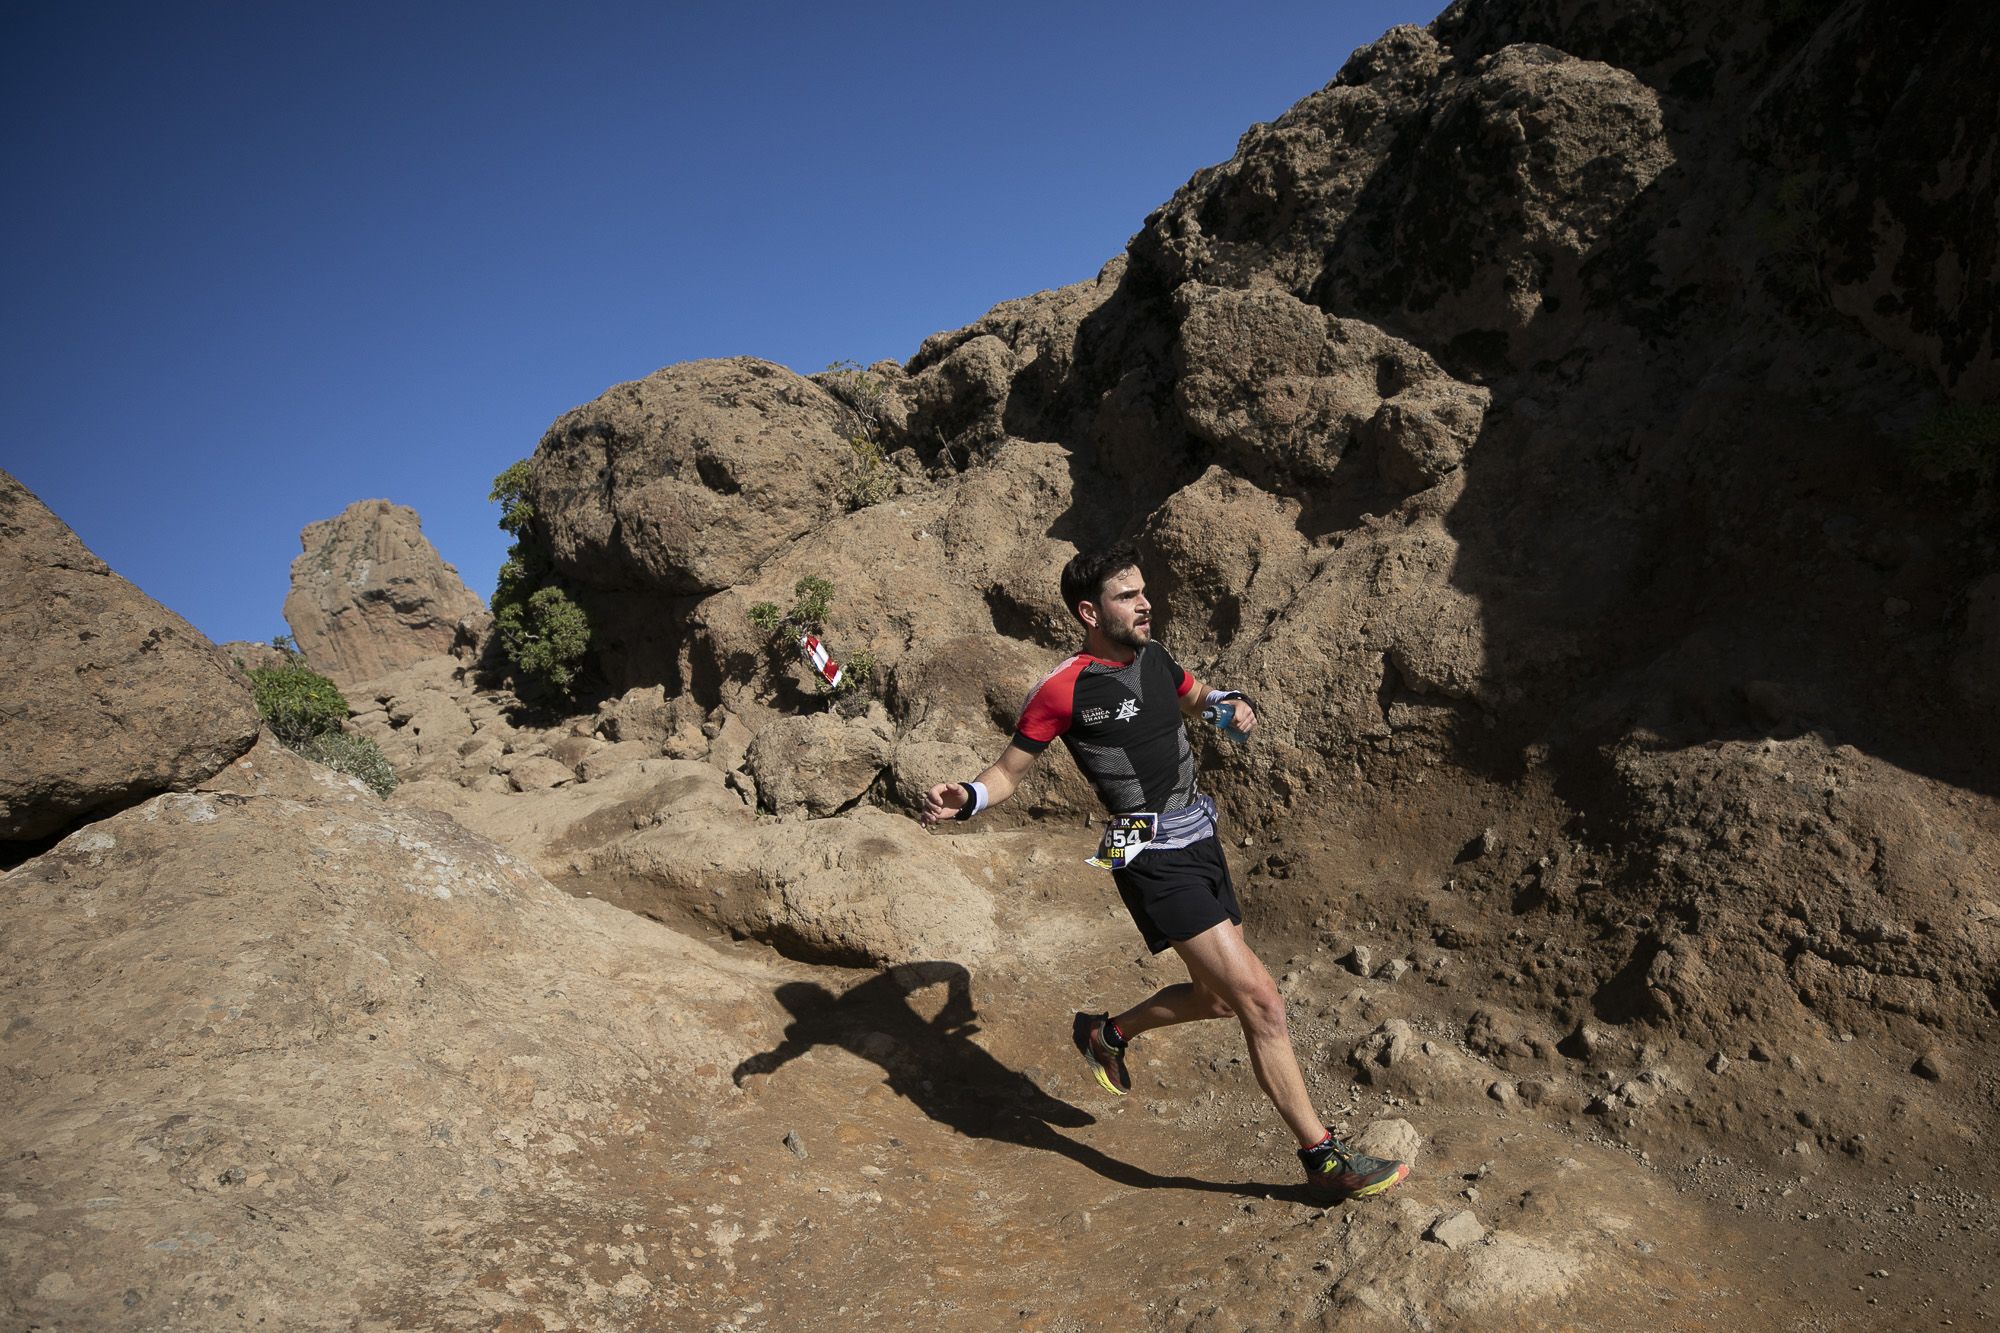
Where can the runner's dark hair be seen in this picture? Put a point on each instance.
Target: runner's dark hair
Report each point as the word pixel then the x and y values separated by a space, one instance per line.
pixel 1083 577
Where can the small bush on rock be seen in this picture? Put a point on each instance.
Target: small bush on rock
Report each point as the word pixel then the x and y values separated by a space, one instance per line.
pixel 297 702
pixel 871 480
pixel 356 756
pixel 305 710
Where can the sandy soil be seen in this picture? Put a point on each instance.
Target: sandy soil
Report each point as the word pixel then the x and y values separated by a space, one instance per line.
pixel 921 1146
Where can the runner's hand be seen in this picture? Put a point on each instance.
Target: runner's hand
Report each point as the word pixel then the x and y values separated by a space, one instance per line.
pixel 1242 716
pixel 943 802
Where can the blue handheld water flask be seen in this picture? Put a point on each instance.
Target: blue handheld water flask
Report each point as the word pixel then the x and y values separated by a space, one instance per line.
pixel 1220 715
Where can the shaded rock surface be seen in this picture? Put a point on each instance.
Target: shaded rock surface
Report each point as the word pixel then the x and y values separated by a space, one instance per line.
pixel 370 594
pixel 108 696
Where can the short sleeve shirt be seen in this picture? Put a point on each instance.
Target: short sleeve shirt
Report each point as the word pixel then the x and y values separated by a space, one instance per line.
pixel 1122 724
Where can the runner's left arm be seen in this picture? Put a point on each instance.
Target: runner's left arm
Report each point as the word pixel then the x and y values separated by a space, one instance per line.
pixel 1195 698
pixel 947 799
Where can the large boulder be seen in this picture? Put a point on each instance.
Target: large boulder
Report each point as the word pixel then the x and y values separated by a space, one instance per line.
pixel 1452 207
pixel 680 485
pixel 863 889
pixel 370 594
pixel 108 696
pixel 674 840
pixel 685 481
pixel 1285 391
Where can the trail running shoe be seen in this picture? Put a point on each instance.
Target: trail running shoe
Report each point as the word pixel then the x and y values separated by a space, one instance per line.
pixel 1105 1060
pixel 1335 1173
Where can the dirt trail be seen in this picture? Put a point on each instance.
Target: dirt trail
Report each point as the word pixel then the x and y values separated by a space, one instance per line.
pixel 950 1161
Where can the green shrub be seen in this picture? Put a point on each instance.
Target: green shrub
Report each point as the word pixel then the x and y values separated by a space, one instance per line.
pixel 861 393
pixel 305 710
pixel 1958 442
pixel 541 631
pixel 510 492
pixel 357 756
pixel 297 702
pixel 871 480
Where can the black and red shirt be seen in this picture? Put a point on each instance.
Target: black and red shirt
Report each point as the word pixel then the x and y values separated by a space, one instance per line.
pixel 1122 723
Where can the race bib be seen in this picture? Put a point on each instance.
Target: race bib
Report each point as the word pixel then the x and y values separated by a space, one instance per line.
pixel 1124 838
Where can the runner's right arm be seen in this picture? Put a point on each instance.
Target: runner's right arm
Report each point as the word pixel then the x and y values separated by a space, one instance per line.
pixel 945 800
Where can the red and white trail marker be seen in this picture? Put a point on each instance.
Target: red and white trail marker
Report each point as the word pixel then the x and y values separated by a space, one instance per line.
pixel 821 660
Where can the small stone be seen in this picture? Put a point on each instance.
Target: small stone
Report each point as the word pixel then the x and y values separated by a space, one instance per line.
pixel 1761 1053
pixel 1500 1090
pixel 235 1175
pixel 1880 1272
pixel 1391 1140
pixel 796 1144
pixel 1718 1063
pixel 1586 1041
pixel 1360 961
pixel 1457 1231
pixel 1929 1066
pixel 1393 971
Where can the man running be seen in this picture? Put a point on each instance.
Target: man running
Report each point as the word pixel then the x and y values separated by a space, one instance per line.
pixel 1121 706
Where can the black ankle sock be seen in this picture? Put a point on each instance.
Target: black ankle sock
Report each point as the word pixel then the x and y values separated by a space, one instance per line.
pixel 1113 1038
pixel 1320 1151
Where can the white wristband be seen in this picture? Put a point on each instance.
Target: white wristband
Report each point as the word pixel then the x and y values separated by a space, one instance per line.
pixel 977 801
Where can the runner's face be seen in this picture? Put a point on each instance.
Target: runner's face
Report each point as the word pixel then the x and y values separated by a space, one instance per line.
pixel 1124 616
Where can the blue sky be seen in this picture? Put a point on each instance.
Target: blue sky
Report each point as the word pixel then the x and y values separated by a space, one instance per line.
pixel 266 259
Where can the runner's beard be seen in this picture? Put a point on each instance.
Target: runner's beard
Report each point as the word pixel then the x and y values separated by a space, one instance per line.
pixel 1133 636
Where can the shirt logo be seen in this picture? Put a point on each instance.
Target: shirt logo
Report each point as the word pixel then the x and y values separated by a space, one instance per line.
pixel 1128 710
pixel 1093 716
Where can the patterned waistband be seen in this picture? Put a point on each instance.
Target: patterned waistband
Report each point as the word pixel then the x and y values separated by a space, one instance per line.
pixel 1186 826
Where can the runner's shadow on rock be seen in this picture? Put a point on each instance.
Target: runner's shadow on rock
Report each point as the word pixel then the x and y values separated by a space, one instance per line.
pixel 935 1064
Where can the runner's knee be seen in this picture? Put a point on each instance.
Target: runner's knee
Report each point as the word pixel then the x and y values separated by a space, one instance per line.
pixel 1262 1008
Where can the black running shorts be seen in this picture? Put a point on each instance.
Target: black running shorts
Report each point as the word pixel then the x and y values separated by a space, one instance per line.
pixel 1177 894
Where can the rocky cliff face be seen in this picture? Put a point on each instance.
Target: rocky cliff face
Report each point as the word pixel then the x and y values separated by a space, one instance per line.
pixel 370 594
pixel 1539 409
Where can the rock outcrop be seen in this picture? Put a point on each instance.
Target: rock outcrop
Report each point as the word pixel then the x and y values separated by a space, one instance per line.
pixel 370 594
pixel 288 1041
pixel 1537 409
pixel 108 696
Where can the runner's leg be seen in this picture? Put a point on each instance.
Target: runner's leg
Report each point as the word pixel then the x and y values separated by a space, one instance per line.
pixel 1182 1003
pixel 1221 963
